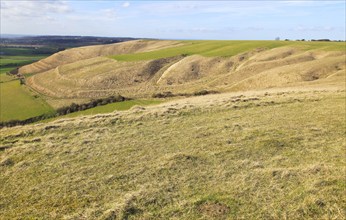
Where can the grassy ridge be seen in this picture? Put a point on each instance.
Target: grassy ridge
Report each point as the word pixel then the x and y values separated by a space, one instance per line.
pixel 18 103
pixel 226 48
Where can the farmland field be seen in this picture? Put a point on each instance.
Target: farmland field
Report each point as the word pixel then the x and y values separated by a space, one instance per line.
pixel 16 61
pixel 12 57
pixel 18 103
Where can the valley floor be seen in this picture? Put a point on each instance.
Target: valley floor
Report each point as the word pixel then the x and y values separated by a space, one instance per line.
pixel 263 155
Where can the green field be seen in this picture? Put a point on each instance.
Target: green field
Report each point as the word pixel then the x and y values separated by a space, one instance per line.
pixel 28 51
pixel 12 57
pixel 16 61
pixel 117 106
pixel 17 103
pixel 226 48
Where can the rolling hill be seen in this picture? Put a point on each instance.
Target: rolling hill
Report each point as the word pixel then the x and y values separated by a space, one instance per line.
pixel 142 68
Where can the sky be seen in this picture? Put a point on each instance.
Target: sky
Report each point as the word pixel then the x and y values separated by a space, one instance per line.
pixel 233 20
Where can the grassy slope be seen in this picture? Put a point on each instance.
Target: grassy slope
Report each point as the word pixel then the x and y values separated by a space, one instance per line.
pixel 278 157
pixel 118 106
pixel 226 48
pixel 18 103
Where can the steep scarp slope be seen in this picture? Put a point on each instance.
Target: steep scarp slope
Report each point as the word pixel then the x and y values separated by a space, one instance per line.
pixel 255 69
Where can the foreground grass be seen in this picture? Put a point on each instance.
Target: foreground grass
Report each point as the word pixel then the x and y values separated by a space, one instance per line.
pixel 226 48
pixel 18 103
pixel 275 157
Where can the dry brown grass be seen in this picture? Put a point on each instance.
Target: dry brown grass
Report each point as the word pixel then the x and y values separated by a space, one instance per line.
pixel 253 155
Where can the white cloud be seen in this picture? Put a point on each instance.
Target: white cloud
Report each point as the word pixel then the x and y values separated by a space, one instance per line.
pixel 126 4
pixel 19 10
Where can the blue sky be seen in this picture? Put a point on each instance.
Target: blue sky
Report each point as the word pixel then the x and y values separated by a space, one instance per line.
pixel 177 19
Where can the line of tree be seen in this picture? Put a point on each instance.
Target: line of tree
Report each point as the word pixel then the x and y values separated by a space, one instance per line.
pixel 324 40
pixel 65 110
pixel 97 102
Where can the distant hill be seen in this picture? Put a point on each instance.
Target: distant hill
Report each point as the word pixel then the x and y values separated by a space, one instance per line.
pixel 12 35
pixel 59 41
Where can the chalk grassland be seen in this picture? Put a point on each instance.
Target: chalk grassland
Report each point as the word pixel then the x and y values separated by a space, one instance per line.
pixel 252 70
pixel 227 156
pixel 80 53
pixel 226 48
pixel 155 49
pixel 18 102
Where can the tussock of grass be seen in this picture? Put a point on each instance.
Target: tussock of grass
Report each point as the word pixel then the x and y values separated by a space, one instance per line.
pixel 261 156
